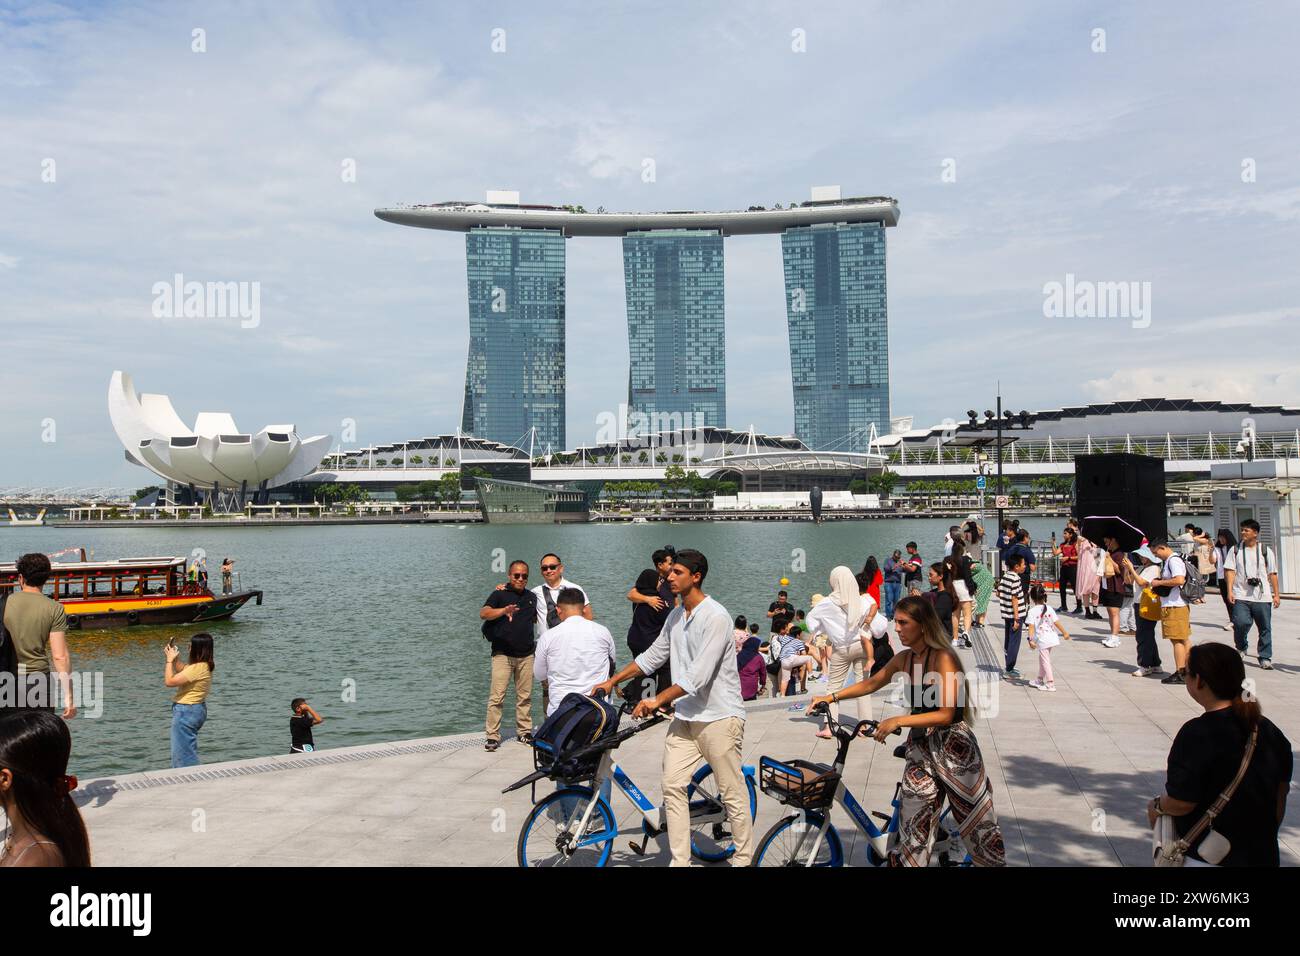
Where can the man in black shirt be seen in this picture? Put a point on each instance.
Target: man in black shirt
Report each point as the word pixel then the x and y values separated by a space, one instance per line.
pixel 508 617
pixel 652 601
pixel 300 724
pixel 780 611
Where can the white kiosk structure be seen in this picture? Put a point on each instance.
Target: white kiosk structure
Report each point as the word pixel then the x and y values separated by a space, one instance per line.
pixel 214 459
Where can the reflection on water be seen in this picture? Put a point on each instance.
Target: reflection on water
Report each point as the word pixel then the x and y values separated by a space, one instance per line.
pixel 392 612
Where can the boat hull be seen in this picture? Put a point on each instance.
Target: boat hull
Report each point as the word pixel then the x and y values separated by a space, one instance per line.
pixel 136 612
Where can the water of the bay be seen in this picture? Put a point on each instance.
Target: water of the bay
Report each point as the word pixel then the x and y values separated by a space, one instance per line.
pixel 378 625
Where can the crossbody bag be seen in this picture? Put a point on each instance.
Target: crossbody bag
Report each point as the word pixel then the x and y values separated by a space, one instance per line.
pixel 1170 850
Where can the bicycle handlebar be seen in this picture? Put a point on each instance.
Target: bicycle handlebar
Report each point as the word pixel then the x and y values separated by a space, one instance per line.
pixel 839 728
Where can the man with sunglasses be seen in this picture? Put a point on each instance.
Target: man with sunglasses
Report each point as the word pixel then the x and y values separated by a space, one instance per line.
pixel 548 596
pixel 509 615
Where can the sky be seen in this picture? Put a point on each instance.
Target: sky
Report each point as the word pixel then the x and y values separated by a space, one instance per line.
pixel 1025 142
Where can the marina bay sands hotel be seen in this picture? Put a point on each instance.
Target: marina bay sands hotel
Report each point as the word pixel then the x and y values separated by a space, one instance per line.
pixel 833 251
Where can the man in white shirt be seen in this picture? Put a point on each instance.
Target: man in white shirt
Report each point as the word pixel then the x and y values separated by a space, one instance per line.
pixel 1252 592
pixel 574 654
pixel 553 582
pixel 1175 616
pixel 548 612
pixel 697 644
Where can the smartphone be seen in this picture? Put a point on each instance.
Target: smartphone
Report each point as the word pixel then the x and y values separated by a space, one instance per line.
pixel 172 643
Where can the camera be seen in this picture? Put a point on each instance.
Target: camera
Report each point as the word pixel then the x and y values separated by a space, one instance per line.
pixel 1253 582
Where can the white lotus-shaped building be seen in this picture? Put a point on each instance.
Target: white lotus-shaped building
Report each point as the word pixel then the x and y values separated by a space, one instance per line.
pixel 212 455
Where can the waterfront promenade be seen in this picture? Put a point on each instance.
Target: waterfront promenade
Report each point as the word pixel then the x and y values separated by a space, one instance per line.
pixel 1071 771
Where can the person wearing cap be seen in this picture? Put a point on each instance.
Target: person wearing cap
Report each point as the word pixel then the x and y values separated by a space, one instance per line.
pixel 1148 610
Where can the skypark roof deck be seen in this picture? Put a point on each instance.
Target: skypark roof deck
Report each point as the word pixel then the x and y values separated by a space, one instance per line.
pixel 463 216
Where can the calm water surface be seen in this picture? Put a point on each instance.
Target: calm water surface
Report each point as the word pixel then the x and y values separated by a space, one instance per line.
pixel 393 611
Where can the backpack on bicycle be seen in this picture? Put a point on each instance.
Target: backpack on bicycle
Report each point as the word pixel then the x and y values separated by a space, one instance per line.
pixel 576 723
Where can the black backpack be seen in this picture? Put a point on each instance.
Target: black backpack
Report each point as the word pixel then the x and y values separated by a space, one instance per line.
pixel 576 723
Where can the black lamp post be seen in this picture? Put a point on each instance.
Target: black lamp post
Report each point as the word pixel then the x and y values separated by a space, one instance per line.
pixel 999 420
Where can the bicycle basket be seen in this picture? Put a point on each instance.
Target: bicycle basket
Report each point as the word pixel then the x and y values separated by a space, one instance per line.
pixel 798 783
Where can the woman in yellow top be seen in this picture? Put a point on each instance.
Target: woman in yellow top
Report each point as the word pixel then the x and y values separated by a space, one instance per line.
pixel 189 706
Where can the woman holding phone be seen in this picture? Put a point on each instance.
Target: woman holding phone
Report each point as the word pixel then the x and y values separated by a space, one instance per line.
pixel 189 706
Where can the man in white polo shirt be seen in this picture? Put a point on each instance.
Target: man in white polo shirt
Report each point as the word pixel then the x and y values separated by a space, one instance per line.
pixel 698 645
pixel 1252 593
pixel 574 654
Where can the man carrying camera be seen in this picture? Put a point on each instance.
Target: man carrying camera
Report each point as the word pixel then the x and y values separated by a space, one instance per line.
pixel 1252 591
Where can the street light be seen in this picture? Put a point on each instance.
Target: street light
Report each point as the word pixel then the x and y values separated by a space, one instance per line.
pixel 999 421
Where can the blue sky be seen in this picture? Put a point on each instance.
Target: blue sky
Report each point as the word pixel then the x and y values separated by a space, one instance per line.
pixel 225 165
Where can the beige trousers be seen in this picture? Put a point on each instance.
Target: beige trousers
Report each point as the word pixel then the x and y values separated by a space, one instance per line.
pixel 847 667
pixel 504 670
pixel 719 743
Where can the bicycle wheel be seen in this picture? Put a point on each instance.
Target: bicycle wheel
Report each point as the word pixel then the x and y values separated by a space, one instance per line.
pixel 544 838
pixel 711 840
pixel 779 844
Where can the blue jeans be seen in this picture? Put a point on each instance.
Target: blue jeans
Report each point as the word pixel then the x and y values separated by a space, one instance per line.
pixel 186 721
pixel 1259 613
pixel 890 591
pixel 1011 645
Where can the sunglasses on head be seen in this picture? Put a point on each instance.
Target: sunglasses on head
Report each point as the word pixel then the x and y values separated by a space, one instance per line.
pixel 550 567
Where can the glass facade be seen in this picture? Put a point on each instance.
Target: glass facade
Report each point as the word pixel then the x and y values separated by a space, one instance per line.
pixel 839 333
pixel 518 502
pixel 514 379
pixel 676 327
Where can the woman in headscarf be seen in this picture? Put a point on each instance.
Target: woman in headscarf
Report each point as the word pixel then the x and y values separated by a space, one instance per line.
pixel 752 667
pixel 841 616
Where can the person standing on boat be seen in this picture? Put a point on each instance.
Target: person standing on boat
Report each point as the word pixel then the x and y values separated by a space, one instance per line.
pixel 192 681
pixel 227 570
pixel 509 615
pixel 36 626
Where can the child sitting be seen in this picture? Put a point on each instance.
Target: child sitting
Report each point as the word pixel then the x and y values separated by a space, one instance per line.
pixel 1045 632
pixel 794 657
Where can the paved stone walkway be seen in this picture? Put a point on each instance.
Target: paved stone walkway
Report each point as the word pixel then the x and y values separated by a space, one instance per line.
pixel 1071 771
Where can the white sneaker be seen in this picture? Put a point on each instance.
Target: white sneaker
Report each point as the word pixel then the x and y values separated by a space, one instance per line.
pixel 1050 688
pixel 1142 672
pixel 1110 642
pixel 1036 684
pixel 1227 627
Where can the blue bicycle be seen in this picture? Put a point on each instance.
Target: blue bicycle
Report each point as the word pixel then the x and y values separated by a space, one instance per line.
pixel 575 826
pixel 808 838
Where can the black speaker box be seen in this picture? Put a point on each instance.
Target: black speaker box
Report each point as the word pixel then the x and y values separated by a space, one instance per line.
pixel 1130 486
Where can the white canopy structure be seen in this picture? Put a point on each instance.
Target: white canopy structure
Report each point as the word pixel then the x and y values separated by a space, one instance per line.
pixel 214 454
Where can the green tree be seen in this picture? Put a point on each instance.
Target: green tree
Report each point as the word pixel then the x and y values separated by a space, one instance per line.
pixel 407 492
pixel 448 488
pixel 417 459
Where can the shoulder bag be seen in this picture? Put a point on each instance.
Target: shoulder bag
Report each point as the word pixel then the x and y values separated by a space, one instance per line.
pixel 1169 850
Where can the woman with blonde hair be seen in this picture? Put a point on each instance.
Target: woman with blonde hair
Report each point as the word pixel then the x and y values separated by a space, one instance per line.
pixel 943 756
pixel 842 616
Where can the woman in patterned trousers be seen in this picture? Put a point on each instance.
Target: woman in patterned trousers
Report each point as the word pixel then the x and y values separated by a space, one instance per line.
pixel 943 756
